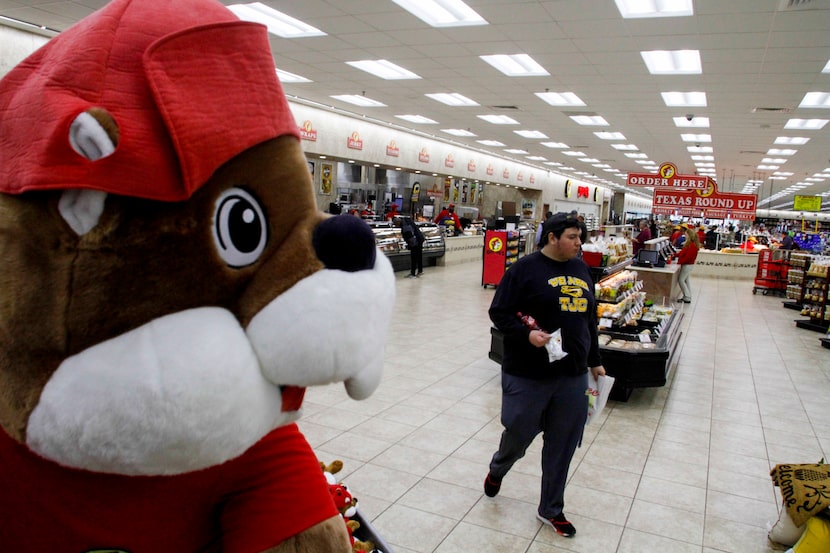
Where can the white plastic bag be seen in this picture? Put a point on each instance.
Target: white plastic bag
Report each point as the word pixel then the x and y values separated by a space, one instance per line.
pixel 597 392
pixel 554 346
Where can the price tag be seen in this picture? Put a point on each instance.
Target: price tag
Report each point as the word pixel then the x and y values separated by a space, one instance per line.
pixel 645 338
pixel 605 323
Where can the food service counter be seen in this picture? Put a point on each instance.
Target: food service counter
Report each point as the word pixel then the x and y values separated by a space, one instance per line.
pixel 660 283
pixel 462 249
pixel 711 263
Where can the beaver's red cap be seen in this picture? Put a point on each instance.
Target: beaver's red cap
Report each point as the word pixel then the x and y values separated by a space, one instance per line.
pixel 188 85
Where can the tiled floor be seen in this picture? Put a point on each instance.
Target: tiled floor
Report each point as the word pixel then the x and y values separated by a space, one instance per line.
pixel 683 468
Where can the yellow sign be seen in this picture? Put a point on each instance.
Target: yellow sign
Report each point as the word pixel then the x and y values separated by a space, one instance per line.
pixel 807 203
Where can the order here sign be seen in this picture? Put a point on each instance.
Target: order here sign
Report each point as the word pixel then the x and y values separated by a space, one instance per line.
pixel 667 177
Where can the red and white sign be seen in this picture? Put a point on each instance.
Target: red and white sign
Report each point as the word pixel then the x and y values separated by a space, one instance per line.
pixel 506 173
pixel 392 149
pixel 449 161
pixel 423 155
pixel 354 141
pixel 490 170
pixel 471 166
pixel 307 132
pixel 707 203
pixel 667 177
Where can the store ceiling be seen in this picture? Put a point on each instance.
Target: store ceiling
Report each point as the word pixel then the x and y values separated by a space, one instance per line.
pixel 759 59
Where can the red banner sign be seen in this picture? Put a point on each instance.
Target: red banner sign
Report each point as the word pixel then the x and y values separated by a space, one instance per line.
pixel 667 177
pixel 707 203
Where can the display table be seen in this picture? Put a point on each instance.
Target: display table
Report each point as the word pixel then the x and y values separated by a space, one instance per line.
pixel 660 283
pixel 711 263
pixel 462 249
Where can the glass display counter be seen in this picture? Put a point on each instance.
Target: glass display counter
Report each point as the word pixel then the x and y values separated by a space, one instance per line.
pixel 389 240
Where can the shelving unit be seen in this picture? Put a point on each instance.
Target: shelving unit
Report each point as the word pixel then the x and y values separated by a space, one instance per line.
pixel 501 250
pixel 637 341
pixel 799 265
pixel 814 298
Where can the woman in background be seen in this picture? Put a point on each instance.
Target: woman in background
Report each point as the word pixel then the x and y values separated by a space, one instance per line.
pixel 686 259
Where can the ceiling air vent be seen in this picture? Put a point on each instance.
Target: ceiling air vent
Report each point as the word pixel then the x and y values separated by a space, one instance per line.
pixel 771 110
pixel 752 152
pixel 788 5
pixel 503 107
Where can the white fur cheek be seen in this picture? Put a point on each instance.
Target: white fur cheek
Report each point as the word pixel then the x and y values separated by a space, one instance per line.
pixel 180 393
pixel 329 327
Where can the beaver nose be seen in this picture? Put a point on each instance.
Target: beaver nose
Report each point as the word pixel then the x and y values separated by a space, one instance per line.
pixel 345 242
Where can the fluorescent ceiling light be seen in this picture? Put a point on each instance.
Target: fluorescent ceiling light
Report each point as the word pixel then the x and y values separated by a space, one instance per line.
pixel 703 158
pixel 625 147
pixel 516 65
pixel 781 152
pixel 826 67
pixel 515 151
pixel 458 132
pixel 417 119
pixel 558 99
pixel 767 167
pixel 590 120
pixel 700 149
pixel 645 162
pixel 684 99
pixel 639 155
pixel 574 154
pixel 672 62
pixel 536 158
pixel 452 99
pixel 286 77
pixel 806 124
pixel 553 163
pixel 815 100
pixel 491 143
pixel 442 13
pixel 588 160
pixel 792 140
pixel 773 160
pixel 532 134
pixel 559 145
pixel 567 169
pixel 384 69
pixel 696 137
pixel 499 119
pixel 631 9
pixel 699 122
pixel 704 164
pixel 601 166
pixel 277 22
pixel 610 135
pixel 359 100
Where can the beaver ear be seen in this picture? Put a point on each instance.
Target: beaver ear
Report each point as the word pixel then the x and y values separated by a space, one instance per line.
pixel 94 134
pixel 81 209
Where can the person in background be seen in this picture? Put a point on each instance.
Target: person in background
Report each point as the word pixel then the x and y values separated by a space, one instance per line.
pixel 545 291
pixel 686 259
pixel 675 235
pixel 711 240
pixel 448 217
pixel 701 234
pixel 640 240
pixel 548 215
pixel 787 241
pixel 414 239
pixel 652 226
pixel 392 212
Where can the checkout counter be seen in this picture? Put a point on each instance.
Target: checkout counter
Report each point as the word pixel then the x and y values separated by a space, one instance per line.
pixel 660 281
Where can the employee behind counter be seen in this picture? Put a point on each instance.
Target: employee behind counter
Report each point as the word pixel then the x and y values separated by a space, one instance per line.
pixel 448 218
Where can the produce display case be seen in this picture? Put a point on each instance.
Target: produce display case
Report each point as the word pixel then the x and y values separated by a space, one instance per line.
pixel 389 240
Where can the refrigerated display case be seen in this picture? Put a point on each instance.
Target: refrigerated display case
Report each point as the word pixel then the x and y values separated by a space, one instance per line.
pixel 389 240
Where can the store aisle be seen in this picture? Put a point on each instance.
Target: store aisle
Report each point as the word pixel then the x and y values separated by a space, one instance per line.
pixel 683 468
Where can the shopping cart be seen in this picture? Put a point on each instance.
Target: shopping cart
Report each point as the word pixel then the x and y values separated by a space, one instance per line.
pixel 771 275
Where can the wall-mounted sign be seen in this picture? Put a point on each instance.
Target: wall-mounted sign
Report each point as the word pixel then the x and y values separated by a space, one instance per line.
pixel 354 142
pixel 667 177
pixel 392 149
pixel 519 176
pixel 490 170
pixel 506 173
pixel 307 132
pixel 568 188
pixel 807 203
pixel 423 155
pixel 583 191
pixel 449 161
pixel 471 166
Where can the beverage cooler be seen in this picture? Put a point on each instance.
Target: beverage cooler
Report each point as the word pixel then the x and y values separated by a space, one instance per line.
pixel 501 250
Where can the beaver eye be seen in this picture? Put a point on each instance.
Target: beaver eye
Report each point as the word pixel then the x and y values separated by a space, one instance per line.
pixel 240 229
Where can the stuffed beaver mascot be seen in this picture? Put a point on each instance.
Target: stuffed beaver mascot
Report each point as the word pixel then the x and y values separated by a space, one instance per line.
pixel 169 290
